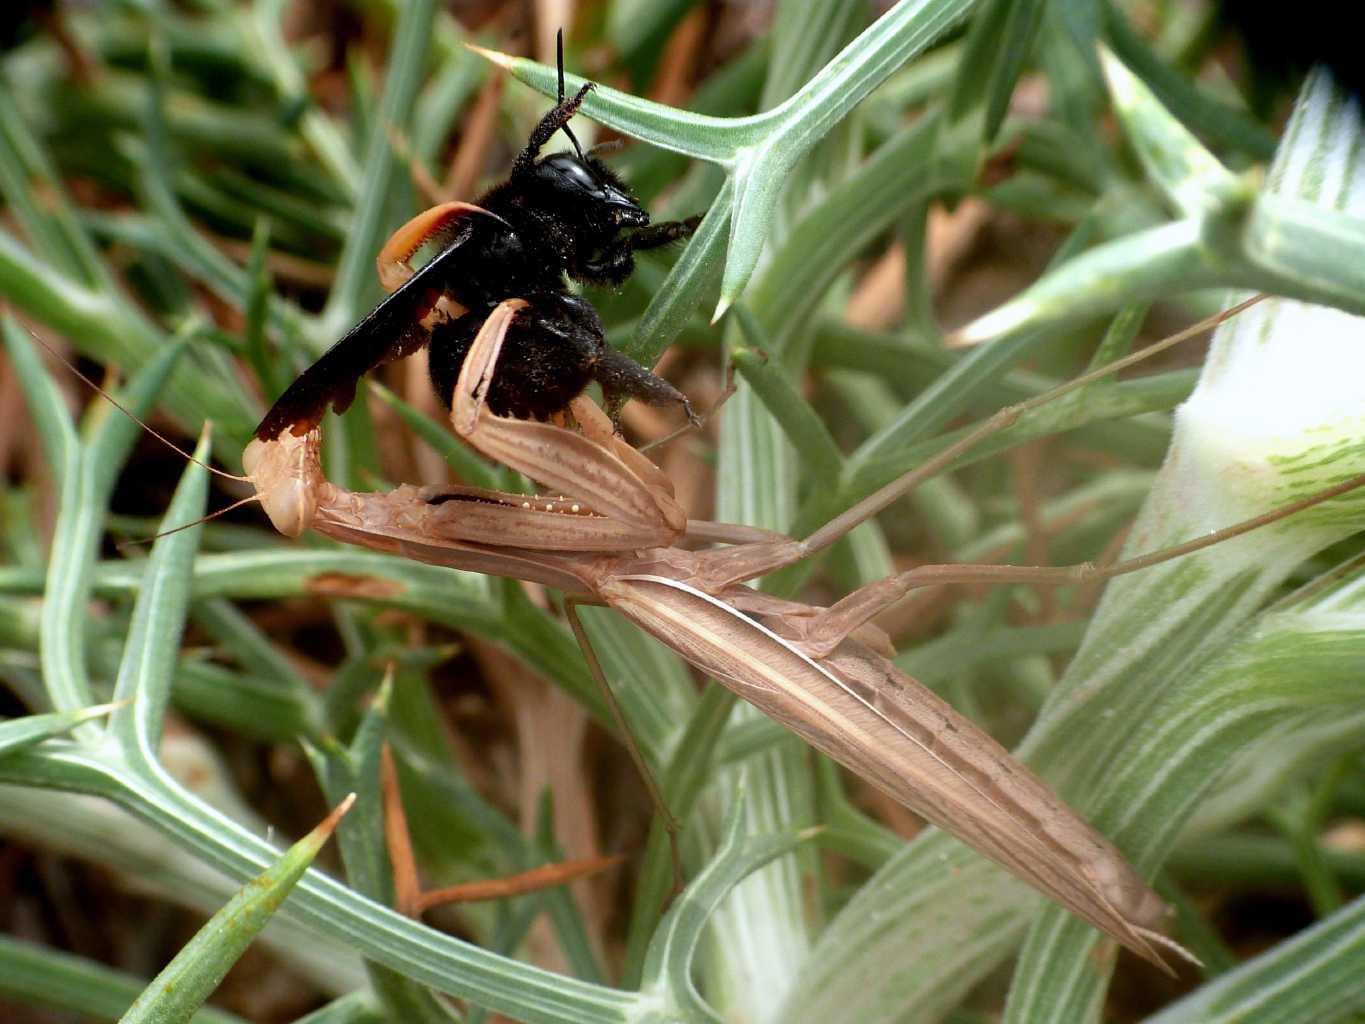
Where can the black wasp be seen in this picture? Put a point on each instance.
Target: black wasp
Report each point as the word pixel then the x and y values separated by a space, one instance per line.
pixel 566 216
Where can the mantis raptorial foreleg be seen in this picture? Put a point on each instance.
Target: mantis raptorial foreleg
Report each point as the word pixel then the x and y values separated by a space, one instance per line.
pixel 630 502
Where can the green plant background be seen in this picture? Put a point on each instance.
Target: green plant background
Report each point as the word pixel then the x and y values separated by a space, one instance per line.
pixel 152 204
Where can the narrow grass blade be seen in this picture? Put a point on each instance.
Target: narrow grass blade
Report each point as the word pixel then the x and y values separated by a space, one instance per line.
pixel 26 174
pixel 355 1008
pixel 1176 162
pixel 1136 268
pixel 150 654
pixel 473 470
pixel 1211 118
pixel 804 429
pixel 668 966
pixel 1314 976
pixel 181 988
pixel 263 28
pixel 37 976
pixel 18 733
pixel 699 136
pixel 357 769
pixel 999 42
pixel 86 475
pixel 355 271
pixel 692 276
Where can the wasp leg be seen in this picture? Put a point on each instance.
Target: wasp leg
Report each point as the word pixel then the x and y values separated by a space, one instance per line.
pixel 558 116
pixel 664 233
pixel 616 262
pixel 622 379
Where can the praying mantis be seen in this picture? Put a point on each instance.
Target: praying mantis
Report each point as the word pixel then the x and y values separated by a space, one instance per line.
pixel 608 530
pixel 613 534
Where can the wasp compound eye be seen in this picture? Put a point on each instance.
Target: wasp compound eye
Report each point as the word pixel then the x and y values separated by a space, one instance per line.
pixel 564 169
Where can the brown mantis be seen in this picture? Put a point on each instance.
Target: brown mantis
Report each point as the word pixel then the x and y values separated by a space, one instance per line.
pixel 612 535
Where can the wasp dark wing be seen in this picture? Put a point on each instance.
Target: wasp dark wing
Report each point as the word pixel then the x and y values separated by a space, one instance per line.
pixel 390 331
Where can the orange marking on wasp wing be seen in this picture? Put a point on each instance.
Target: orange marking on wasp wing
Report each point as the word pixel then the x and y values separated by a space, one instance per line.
pixel 392 260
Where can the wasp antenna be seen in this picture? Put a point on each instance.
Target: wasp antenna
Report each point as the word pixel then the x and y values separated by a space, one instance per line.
pixel 129 413
pixel 577 148
pixel 559 60
pixel 140 541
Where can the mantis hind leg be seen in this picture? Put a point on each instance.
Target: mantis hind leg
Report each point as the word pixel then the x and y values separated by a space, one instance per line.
pixel 656 796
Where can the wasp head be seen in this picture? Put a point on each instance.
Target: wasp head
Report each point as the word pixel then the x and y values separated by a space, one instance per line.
pixel 589 187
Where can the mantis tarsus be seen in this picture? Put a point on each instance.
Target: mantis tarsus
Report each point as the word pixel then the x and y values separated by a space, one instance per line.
pixel 614 537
